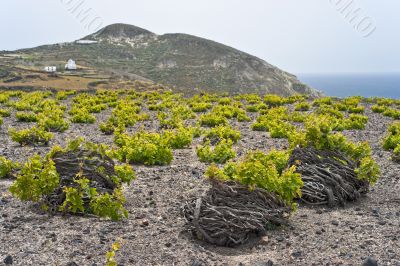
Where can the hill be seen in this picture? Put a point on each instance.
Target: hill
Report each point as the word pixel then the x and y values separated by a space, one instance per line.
pixel 178 60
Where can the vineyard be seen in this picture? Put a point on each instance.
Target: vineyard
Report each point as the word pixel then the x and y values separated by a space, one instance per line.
pixel 160 178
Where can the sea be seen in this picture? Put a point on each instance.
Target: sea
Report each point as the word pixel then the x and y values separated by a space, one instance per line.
pixel 367 85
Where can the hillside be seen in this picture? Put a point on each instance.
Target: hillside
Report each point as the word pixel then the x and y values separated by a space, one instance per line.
pixel 178 60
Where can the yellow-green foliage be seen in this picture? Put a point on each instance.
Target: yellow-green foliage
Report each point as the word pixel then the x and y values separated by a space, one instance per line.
pixel 275 121
pixel 103 205
pixel 63 95
pixel 30 101
pixel 297 116
pixel 52 119
pixel 125 113
pixel 252 108
pixel 26 117
pixel 91 103
pixel 323 101
pixel 356 110
pixel 179 138
pixel 144 148
pixel 38 177
pixel 274 100
pixel 302 106
pixel 110 256
pixel 368 170
pixel 5 112
pixel 34 135
pixel 378 108
pixel 392 141
pixel 6 167
pixel 123 174
pixel 179 123
pixel 393 113
pixel 225 101
pixel 200 107
pixel 218 133
pixel 107 127
pixel 82 116
pixel 227 111
pixel 221 153
pixel 318 133
pixel 213 119
pixel 355 121
pixel 280 129
pixel 4 97
pixel 385 101
pixel 267 171
pixel 352 101
pixel 329 110
pixel 251 98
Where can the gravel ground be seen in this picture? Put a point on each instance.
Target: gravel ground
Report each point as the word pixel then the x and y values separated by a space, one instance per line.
pixel 154 233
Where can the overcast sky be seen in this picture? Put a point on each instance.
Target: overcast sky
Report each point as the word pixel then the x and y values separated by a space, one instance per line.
pixel 307 36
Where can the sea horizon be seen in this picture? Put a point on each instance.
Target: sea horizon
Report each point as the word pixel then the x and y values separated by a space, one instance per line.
pixel 349 84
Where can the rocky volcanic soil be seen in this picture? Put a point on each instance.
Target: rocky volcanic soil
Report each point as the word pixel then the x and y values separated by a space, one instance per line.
pixel 154 233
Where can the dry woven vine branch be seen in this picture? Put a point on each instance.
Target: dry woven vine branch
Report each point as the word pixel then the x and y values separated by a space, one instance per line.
pixel 96 168
pixel 229 213
pixel 329 177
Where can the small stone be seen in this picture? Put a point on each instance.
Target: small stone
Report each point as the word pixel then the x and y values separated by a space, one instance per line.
pixel 144 223
pixel 370 262
pixel 280 238
pixel 262 263
pixel 297 254
pixel 72 263
pixel 8 260
pixel 382 222
pixel 140 216
pixel 197 263
pixel 334 222
pixel 264 240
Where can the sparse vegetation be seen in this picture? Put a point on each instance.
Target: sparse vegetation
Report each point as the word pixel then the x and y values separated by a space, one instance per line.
pixel 82 187
pixel 34 135
pixel 221 153
pixel 392 141
pixel 148 128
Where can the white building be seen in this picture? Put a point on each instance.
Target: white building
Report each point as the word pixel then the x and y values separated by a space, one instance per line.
pixel 86 42
pixel 71 65
pixel 50 69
